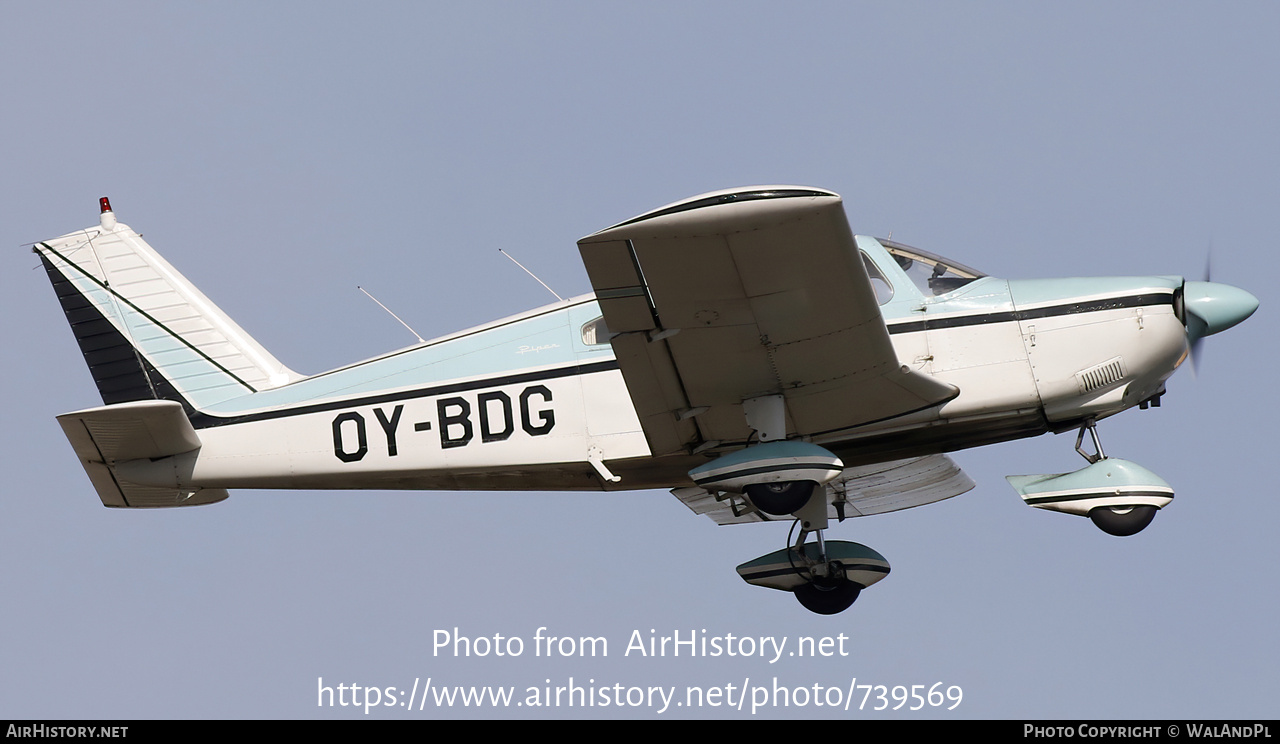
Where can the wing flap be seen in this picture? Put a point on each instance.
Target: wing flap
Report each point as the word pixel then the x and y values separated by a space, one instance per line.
pixel 655 388
pixel 866 490
pixel 901 484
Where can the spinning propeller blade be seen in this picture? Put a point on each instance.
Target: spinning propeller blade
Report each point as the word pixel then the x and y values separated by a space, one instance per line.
pixel 1207 308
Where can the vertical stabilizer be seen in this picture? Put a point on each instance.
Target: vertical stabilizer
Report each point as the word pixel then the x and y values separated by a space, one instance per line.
pixel 145 331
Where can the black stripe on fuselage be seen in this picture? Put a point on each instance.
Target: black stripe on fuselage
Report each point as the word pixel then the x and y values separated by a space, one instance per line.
pixel 200 420
pixel 204 420
pixel 1073 308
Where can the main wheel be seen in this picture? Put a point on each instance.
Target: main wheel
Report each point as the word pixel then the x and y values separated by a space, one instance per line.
pixel 1122 521
pixel 828 598
pixel 781 498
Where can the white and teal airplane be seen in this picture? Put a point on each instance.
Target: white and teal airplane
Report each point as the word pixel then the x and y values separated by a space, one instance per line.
pixel 742 348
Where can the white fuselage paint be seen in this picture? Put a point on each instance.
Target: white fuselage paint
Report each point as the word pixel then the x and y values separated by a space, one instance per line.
pixel 543 430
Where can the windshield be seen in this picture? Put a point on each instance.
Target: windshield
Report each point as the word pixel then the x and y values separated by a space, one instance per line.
pixel 933 274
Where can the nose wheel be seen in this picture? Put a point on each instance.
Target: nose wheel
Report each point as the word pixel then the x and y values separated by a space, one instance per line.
pixel 1122 521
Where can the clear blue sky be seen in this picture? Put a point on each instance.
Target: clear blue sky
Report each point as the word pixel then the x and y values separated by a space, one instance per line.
pixel 281 153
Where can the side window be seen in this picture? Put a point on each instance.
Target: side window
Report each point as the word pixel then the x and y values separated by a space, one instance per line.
pixel 596 332
pixel 884 290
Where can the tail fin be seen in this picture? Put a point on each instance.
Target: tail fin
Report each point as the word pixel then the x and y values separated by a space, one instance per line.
pixel 145 331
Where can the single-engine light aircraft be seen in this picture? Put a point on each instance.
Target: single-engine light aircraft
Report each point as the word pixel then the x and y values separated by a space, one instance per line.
pixel 742 348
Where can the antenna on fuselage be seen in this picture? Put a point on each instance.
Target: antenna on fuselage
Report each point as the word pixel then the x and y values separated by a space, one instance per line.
pixel 530 273
pixel 421 340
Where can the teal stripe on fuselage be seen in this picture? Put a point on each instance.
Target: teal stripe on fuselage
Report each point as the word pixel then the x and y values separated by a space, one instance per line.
pixel 550 337
pixel 1032 292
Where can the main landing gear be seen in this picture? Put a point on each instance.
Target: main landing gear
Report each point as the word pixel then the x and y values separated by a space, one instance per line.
pixel 781 478
pixel 1120 497
pixel 825 576
pixel 780 498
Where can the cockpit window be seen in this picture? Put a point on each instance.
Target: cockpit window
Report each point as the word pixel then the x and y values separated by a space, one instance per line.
pixel 933 274
pixel 884 290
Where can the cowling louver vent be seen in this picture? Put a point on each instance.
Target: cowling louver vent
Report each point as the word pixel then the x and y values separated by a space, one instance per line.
pixel 1101 375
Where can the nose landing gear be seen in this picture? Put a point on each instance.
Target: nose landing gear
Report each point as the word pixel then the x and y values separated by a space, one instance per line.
pixel 1119 496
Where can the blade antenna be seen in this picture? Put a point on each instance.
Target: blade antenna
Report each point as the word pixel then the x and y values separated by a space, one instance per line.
pixel 530 273
pixel 421 340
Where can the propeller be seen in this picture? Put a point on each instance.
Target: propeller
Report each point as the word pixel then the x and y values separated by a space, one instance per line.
pixel 1196 346
pixel 1206 308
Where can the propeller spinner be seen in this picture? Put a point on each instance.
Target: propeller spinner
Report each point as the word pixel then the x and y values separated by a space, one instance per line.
pixel 1206 308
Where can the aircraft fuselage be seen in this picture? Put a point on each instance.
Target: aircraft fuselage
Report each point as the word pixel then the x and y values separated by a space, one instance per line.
pixel 527 402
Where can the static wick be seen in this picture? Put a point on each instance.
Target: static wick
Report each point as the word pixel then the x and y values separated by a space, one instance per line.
pixel 530 273
pixel 421 340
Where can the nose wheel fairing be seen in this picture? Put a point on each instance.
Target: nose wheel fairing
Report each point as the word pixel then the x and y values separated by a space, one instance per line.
pixel 1119 496
pixel 1111 482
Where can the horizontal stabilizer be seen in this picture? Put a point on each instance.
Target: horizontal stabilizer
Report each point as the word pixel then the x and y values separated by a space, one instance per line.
pixel 149 429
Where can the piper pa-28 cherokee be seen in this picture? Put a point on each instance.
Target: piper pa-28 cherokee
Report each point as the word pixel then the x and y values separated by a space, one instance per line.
pixel 742 348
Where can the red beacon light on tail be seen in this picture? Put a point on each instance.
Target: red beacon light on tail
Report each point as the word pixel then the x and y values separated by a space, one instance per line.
pixel 106 217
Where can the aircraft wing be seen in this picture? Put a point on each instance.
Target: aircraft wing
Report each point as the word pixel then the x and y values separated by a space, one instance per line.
pixel 742 294
pixel 866 490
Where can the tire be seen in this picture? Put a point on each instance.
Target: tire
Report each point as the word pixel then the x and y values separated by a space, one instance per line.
pixel 831 599
pixel 781 498
pixel 1122 521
